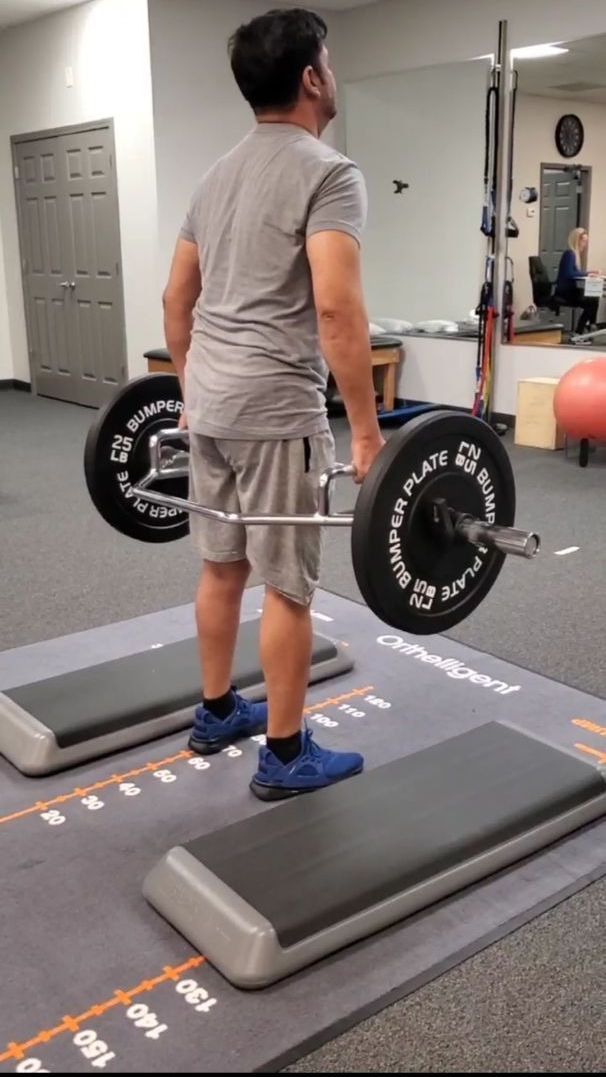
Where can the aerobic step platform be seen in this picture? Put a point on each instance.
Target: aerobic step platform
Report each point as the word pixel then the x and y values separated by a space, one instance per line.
pixel 271 894
pixel 56 723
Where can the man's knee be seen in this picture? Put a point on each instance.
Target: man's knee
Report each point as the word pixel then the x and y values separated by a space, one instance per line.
pixel 230 575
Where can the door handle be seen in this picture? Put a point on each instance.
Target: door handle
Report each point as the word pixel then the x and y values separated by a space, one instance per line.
pixel 68 284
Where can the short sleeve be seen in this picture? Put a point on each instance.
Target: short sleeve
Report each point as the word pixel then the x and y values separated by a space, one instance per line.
pixel 188 228
pixel 340 203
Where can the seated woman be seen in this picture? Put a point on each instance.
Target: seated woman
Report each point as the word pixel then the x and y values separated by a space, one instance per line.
pixel 570 273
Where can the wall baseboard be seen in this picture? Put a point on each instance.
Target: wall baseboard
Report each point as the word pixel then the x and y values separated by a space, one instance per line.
pixel 14 383
pixel 503 417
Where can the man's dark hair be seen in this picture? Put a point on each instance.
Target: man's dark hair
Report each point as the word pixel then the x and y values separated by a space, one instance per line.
pixel 269 55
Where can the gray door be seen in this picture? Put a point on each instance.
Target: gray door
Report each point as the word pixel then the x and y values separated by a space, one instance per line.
pixel 46 266
pixel 70 242
pixel 560 212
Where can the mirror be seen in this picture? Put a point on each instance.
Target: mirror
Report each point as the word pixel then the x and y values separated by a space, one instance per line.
pixel 418 137
pixel 558 195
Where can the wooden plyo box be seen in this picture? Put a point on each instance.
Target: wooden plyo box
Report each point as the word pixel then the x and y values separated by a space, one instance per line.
pixel 536 424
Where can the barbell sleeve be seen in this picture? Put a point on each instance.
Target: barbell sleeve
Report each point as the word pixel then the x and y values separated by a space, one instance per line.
pixel 509 540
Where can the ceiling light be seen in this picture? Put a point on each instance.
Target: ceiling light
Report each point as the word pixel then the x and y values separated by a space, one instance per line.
pixel 536 52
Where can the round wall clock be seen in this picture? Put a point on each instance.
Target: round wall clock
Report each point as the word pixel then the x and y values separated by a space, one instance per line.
pixel 569 135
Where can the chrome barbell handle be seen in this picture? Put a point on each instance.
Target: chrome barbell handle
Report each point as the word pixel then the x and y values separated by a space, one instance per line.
pixel 325 485
pixel 169 501
pixel 174 468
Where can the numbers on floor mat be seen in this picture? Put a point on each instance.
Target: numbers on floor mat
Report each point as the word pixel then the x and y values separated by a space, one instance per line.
pixel 129 789
pixel 232 752
pixel 92 803
pixel 53 817
pixel 376 701
pixel 165 776
pixel 323 719
pixel 199 764
pixel 352 710
pixel 195 995
pixel 31 1065
pixel 142 1017
pixel 93 1049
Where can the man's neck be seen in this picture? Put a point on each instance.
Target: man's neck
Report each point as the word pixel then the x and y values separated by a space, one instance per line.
pixel 299 117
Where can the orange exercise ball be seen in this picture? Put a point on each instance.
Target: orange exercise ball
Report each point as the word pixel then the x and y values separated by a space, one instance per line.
pixel 579 401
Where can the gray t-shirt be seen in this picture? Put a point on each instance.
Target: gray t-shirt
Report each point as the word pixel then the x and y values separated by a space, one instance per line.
pixel 254 369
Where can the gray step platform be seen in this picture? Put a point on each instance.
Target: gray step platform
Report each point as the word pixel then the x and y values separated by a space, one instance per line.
pixel 273 893
pixel 57 723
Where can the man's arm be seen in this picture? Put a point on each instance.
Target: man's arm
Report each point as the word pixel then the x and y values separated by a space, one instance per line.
pixel 334 259
pixel 179 299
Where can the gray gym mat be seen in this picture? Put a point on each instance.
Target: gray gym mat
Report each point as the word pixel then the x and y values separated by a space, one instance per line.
pixel 91 974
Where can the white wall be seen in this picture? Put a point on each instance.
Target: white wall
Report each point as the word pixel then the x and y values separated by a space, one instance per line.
pixel 520 361
pixel 536 119
pixel 106 42
pixel 199 112
pixel 423 255
pixel 378 39
pixel 427 363
pixel 6 364
pixel 394 36
pixel 444 372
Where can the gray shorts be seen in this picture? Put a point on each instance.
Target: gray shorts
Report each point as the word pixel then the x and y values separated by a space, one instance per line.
pixel 261 476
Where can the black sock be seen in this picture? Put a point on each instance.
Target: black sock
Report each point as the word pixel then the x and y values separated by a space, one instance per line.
pixel 285 748
pixel 222 707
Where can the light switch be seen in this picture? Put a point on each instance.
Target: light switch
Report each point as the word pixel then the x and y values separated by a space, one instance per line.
pixel 69 76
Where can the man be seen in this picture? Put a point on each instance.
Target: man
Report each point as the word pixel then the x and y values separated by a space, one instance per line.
pixel 265 285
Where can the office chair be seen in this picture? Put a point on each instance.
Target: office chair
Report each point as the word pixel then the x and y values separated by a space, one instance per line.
pixel 544 296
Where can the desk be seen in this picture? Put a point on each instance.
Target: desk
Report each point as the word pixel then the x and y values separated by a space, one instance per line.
pixel 159 361
pixel 600 289
pixel 549 333
pixel 387 356
pixel 593 289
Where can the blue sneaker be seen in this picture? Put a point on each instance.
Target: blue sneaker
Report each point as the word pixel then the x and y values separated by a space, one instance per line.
pixel 210 734
pixel 314 768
